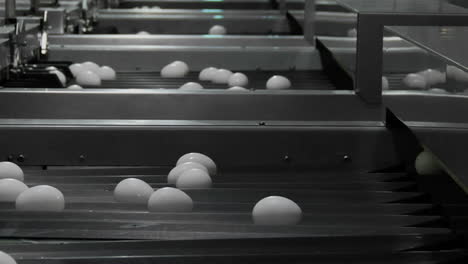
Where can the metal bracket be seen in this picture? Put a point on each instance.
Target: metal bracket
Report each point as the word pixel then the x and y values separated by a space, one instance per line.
pixel 373 16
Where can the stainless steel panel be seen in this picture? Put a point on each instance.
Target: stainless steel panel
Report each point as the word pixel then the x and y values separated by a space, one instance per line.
pixel 345 148
pixel 205 105
pixel 148 57
pixel 436 110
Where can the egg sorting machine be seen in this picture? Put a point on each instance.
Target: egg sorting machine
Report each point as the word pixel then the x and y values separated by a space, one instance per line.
pixel 334 152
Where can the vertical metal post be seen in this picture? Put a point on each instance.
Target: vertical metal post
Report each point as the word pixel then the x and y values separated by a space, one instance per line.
pixel 282 7
pixel 368 82
pixel 309 21
pixel 10 11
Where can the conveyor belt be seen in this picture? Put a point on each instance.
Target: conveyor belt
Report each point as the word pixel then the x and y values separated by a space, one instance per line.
pixel 358 217
pixel 93 214
pixel 301 80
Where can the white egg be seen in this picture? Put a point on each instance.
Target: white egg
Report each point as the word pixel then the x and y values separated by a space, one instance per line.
pixel 143 33
pixel 60 76
pixel 207 74
pixel 238 79
pixel 191 86
pixel 170 200
pixel 106 73
pixel 175 173
pixel 385 83
pixel 6 259
pixel 10 189
pixel 414 80
pixel 41 198
pixel 88 78
pixel 433 76
pixel 74 87
pixel 278 82
pixel 438 91
pixel 11 170
pixel 221 76
pixel 427 164
pixel 91 66
pixel 217 30
pixel 276 210
pixel 51 68
pixel 133 190
pixel 76 68
pixel 176 69
pixel 457 74
pixel 352 33
pixel 201 159
pixel 238 89
pixel 194 179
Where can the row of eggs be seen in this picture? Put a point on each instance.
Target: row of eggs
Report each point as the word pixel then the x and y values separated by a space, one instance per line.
pixel 192 170
pixel 236 81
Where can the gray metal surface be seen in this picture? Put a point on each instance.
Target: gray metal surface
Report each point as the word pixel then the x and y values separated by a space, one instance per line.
pixel 259 106
pixel 399 56
pixel 435 110
pixel 236 22
pixel 228 4
pixel 373 16
pixel 153 58
pixel 442 42
pixel 347 147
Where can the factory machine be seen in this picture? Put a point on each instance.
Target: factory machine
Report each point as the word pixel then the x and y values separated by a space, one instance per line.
pixel 335 143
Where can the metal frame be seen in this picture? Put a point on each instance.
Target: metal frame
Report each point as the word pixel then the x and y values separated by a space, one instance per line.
pixel 370 41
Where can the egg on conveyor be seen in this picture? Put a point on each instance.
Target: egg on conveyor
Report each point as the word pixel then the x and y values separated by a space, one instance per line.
pixel 170 200
pixel 133 191
pixel 76 68
pixel 106 73
pixel 217 30
pixel 221 76
pixel 175 173
pixel 191 86
pixel 276 210
pixel 414 80
pixel 10 189
pixel 207 74
pixel 51 68
pixel 427 164
pixel 74 87
pixel 385 83
pixel 89 65
pixel 41 198
pixel 60 76
pixel 238 89
pixel 176 69
pixel 433 76
pixel 194 179
pixel 238 79
pixel 143 33
pixel 201 159
pixel 11 170
pixel 88 78
pixel 6 259
pixel 278 82
pixel 438 91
